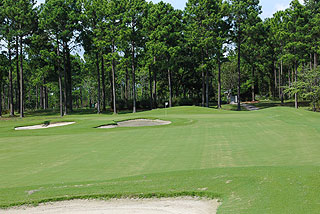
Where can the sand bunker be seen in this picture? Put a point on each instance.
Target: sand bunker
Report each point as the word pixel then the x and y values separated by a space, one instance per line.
pixel 123 206
pixel 250 107
pixel 44 126
pixel 137 123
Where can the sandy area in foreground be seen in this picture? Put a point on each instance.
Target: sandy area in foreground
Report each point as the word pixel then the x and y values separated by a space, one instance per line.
pixel 42 126
pixel 123 206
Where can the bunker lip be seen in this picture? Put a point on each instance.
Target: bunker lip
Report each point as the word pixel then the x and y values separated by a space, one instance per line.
pixel 44 126
pixel 123 206
pixel 136 123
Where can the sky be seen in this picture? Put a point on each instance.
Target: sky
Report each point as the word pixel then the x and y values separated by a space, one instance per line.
pixel 269 7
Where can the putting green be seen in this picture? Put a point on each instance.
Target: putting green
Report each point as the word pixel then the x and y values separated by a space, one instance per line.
pixel 264 161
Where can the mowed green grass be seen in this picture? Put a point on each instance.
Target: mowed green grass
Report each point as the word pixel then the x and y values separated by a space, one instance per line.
pixel 265 161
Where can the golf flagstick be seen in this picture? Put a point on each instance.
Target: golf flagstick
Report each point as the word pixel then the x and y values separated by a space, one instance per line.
pixel 165 107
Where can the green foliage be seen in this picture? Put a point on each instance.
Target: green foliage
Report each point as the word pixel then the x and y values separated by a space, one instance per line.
pixel 145 44
pixel 307 86
pixel 60 18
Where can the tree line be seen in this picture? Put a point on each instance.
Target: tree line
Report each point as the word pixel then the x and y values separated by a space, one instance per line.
pixel 138 54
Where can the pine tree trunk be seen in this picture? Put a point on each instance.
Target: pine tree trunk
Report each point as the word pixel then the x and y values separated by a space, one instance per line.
pixel 133 77
pixel 207 88
pixel 295 80
pixel 60 94
pixel 18 76
pixel 310 61
pixel 37 98
pixel 239 69
pixel 81 97
pixel 155 85
pixel 0 95
pixel 4 98
pixel 113 80
pixel 289 80
pixel 203 88
pixel 110 88
pixel 292 73
pixel 98 80
pixel 65 81
pixel 8 99
pixel 41 97
pixel 47 98
pixel 170 88
pixel 44 95
pixel 103 84
pixel 275 79
pixel 219 82
pixel 207 82
pixel 126 92
pixel 59 80
pixel 21 81
pixel 270 84
pixel 150 87
pixel 16 98
pixel 315 60
pixel 10 82
pixel 69 79
pixel 280 82
pixel 253 84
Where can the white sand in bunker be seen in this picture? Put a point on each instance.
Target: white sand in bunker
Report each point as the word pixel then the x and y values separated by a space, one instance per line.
pixel 124 206
pixel 137 123
pixel 44 126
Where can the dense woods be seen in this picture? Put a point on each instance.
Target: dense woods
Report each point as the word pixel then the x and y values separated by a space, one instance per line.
pixel 139 55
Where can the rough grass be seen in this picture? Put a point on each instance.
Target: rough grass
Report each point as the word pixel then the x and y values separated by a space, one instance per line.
pixel 264 161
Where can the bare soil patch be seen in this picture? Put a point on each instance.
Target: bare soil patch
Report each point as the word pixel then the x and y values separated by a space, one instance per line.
pixel 123 206
pixel 137 123
pixel 44 126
